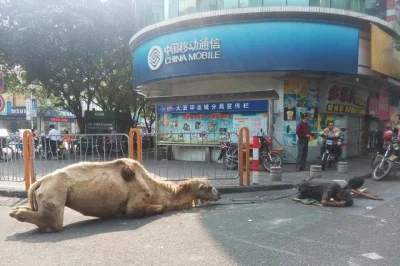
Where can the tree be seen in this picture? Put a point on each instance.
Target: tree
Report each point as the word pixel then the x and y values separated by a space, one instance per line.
pixel 77 49
pixel 148 113
pixel 115 91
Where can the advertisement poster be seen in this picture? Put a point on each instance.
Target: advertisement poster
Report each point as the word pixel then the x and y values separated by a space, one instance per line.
pixel 385 58
pixel 211 128
pixel 346 100
pixel 384 104
pixel 300 96
pixel 374 107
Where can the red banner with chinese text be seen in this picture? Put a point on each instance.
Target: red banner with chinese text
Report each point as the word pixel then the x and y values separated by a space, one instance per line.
pixel 384 104
pixel 374 107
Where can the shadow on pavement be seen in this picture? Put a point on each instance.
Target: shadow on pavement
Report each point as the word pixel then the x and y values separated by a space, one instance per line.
pixel 86 228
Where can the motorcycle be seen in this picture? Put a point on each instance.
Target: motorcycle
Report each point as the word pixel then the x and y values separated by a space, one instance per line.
pixel 45 149
pixel 383 164
pixel 230 153
pixel 328 157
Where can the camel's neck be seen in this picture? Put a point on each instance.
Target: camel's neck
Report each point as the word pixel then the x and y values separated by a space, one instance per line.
pixel 177 196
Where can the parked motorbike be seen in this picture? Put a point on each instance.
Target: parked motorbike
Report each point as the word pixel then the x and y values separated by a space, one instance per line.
pixel 328 156
pixel 384 164
pixel 230 153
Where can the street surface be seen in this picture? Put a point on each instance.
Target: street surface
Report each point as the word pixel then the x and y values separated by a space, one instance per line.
pixel 272 231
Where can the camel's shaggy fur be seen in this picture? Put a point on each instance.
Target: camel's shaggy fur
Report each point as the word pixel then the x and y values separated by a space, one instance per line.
pixel 105 189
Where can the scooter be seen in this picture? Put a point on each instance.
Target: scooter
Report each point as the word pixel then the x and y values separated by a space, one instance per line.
pixel 385 164
pixel 268 158
pixel 328 157
pixel 46 149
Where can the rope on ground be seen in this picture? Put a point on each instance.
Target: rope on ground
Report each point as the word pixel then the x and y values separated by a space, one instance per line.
pixel 248 200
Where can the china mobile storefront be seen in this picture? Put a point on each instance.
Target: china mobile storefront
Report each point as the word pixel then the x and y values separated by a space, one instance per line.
pixel 207 80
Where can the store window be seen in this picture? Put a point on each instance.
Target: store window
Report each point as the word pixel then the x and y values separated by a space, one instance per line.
pixel 298 2
pixel 340 4
pixel 376 8
pixel 320 3
pixel 206 5
pixel 274 3
pixel 157 11
pixel 187 7
pixel 250 3
pixel 357 6
pixel 226 4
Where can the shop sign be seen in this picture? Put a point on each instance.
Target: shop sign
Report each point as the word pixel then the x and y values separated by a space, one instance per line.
pixel 216 49
pixel 100 125
pixel 28 104
pixel 59 119
pixel 214 107
pixel 34 108
pixel 346 100
pixel 374 107
pixel 19 111
pixel 204 49
pixel 384 104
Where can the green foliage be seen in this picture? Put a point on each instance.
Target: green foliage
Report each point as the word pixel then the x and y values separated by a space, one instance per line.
pixel 77 49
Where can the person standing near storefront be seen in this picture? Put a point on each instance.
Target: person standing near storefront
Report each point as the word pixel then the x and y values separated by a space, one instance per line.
pixel 303 132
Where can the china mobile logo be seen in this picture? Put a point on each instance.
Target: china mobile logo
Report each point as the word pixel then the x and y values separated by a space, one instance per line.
pixel 155 57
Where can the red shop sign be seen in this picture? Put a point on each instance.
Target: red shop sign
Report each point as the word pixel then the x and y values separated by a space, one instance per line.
pixel 374 107
pixel 384 104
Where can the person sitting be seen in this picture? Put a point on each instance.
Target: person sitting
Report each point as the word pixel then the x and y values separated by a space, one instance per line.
pixel 325 190
pixel 331 132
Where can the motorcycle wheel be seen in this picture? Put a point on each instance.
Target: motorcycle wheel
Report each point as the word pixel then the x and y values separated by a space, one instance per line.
pixel 379 172
pixel 324 161
pixel 267 163
pixel 229 161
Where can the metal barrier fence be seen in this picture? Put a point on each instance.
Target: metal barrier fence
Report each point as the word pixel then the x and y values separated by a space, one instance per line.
pixel 11 163
pixel 178 156
pixel 40 156
pixel 50 154
pixel 167 156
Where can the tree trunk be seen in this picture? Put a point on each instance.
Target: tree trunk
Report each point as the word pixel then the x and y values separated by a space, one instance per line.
pixel 81 124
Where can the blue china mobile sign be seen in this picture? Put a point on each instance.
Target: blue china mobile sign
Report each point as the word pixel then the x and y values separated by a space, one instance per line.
pixel 218 107
pixel 247 47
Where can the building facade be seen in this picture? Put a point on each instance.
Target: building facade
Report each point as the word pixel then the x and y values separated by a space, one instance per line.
pixel 214 66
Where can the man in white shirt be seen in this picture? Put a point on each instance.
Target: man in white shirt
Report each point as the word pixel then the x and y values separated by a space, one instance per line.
pixel 54 136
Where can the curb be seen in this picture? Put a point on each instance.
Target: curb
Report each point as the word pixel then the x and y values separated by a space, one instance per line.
pixel 244 189
pixel 13 193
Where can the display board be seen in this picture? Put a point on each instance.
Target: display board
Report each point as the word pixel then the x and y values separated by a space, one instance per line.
pixel 208 128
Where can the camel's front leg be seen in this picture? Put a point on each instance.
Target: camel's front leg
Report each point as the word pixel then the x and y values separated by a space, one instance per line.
pixel 185 206
pixel 145 211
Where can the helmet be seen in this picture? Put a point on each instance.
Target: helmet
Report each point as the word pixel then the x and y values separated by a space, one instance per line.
pixel 388 135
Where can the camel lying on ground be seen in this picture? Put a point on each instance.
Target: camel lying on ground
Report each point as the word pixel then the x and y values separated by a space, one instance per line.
pixel 106 189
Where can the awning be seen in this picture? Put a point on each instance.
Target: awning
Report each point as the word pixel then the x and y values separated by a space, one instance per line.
pixel 245 96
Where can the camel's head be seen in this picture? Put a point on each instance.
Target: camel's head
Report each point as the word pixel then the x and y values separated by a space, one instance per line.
pixel 202 188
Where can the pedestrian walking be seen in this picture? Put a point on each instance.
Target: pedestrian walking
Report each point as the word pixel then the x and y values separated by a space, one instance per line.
pixel 303 132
